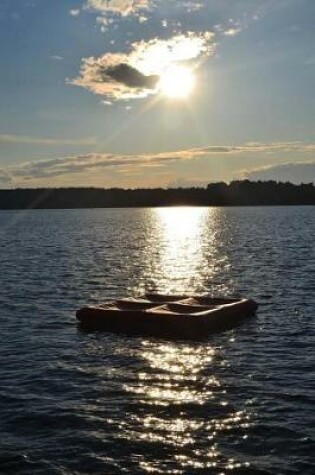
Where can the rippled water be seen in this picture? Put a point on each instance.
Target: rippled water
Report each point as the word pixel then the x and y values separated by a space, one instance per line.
pixel 95 403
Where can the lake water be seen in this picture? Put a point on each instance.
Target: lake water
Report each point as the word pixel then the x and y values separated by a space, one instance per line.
pixel 240 402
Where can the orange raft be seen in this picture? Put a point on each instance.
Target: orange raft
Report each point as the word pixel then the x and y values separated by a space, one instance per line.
pixel 171 316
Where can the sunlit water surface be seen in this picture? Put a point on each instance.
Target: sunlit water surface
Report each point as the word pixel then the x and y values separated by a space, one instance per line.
pixel 239 402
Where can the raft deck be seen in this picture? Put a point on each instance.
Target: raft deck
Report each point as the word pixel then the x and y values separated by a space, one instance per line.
pixel 171 316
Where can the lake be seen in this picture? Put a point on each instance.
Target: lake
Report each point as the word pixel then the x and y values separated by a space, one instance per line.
pixel 240 402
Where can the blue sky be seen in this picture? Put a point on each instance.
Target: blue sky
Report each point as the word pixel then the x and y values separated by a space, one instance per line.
pixel 87 92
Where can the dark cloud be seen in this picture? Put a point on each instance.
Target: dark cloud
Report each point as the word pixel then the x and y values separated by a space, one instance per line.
pixel 129 76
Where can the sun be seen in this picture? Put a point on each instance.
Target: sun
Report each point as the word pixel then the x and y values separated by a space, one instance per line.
pixel 176 82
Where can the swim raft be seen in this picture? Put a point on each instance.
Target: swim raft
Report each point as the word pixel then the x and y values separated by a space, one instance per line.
pixel 174 316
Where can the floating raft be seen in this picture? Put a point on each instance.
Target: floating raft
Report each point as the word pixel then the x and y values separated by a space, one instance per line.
pixel 171 316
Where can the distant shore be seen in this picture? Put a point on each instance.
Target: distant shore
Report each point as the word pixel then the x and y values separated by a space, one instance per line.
pixel 237 193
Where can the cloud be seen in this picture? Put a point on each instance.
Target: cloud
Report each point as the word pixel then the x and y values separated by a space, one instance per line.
pixel 74 12
pixel 119 76
pixel 192 5
pixel 29 139
pixel 118 7
pixel 124 8
pixel 133 79
pixel 232 31
pixel 104 22
pixel 256 147
pixel 130 77
pixel 56 57
pixel 110 12
pixel 233 27
pixel 302 172
pixel 98 76
pixel 86 165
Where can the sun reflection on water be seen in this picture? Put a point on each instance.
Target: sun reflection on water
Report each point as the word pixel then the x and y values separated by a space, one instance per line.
pixel 185 252
pixel 185 407
pixel 178 413
pixel 181 242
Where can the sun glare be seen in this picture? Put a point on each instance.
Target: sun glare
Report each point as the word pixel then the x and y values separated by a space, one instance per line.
pixel 176 82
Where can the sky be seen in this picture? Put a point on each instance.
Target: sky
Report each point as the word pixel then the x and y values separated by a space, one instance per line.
pixel 156 93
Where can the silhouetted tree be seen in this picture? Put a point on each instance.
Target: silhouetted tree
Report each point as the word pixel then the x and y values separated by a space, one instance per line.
pixel 237 193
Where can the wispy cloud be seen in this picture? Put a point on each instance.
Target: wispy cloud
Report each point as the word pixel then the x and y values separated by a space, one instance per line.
pixel 125 8
pixel 117 10
pixel 232 31
pixel 86 165
pixel 29 139
pixel 74 12
pixel 135 74
pixel 126 73
pixel 257 147
pixel 119 7
pixel 56 57
pixel 109 12
pixel 192 5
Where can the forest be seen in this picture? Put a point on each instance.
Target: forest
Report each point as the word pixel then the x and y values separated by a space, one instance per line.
pixel 236 193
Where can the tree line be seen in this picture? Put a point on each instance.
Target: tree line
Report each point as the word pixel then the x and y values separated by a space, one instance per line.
pixel 237 193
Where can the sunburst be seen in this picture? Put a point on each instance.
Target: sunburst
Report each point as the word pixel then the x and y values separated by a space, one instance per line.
pixel 176 82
